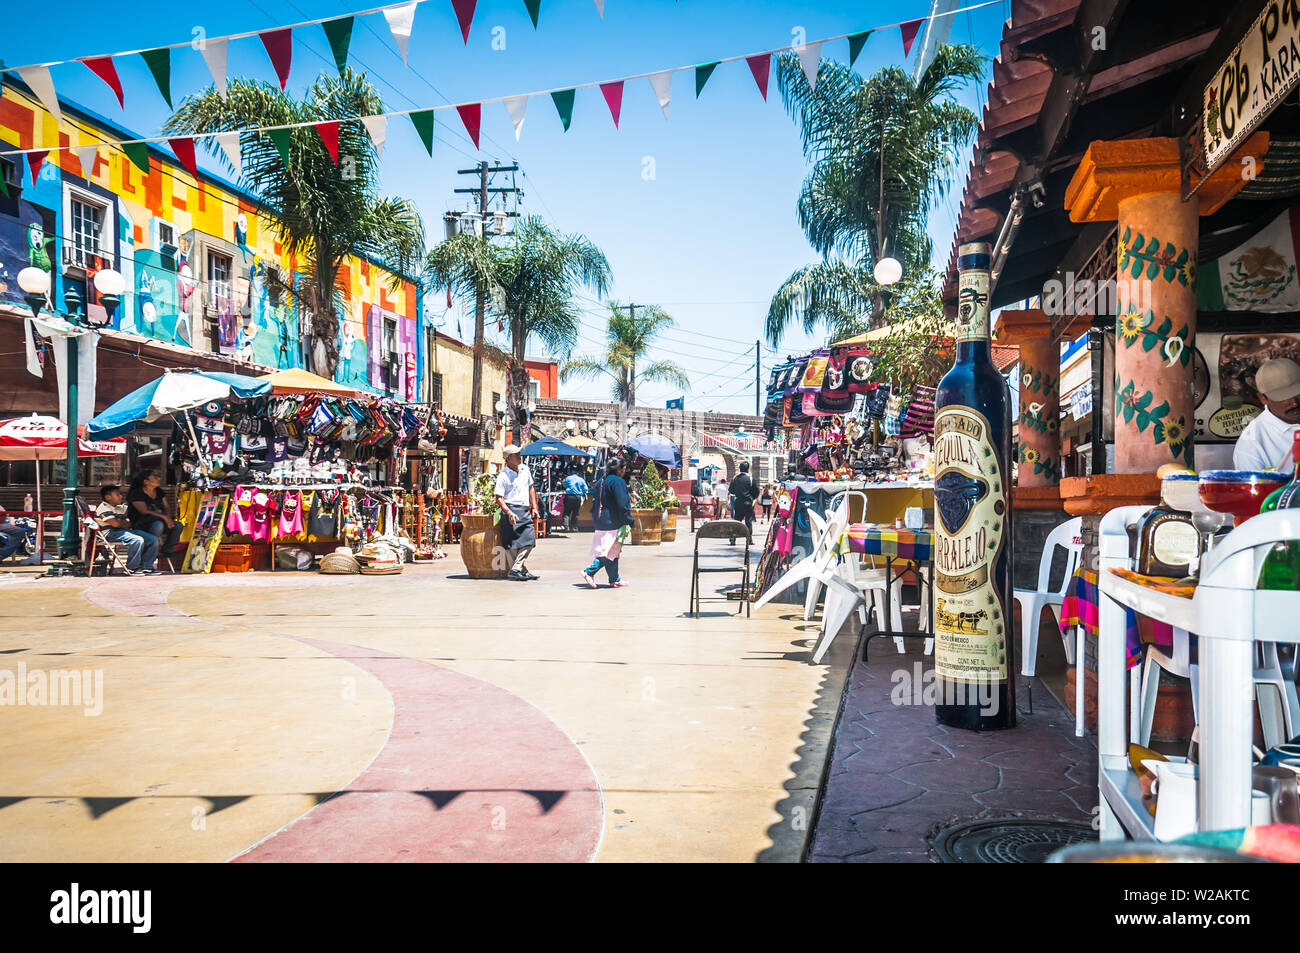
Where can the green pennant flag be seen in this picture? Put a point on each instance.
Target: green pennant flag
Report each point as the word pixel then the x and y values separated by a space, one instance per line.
pixel 339 33
pixel 564 106
pixel 702 74
pixel 281 138
pixel 423 122
pixel 160 64
pixel 856 42
pixel 138 153
pixel 534 9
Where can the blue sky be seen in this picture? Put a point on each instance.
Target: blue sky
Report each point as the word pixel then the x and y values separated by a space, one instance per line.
pixel 709 237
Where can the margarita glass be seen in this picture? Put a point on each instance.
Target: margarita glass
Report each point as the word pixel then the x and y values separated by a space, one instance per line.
pixel 1239 492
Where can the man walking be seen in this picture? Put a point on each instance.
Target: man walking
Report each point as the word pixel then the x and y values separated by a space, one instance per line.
pixel 611 512
pixel 742 497
pixel 517 498
pixel 141 546
pixel 575 488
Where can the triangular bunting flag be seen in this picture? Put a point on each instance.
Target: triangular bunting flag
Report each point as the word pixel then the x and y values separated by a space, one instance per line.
pixel 534 10
pixel 564 106
pixel 279 47
pixel 102 66
pixel 471 116
pixel 160 64
pixel 377 126
pixel 760 66
pixel 229 142
pixel 702 74
pixel 400 20
pixel 662 83
pixel 909 30
pixel 86 156
pixel 339 34
pixel 281 139
pixel 600 8
pixel 329 134
pixel 423 122
pixel 856 42
pixel 214 54
pixel 515 106
pixel 464 15
pixel 184 149
pixel 34 162
pixel 810 58
pixel 38 80
pixel 613 93
pixel 138 153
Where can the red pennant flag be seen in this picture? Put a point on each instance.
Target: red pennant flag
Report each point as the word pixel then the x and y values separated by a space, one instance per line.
pixel 908 30
pixel 464 16
pixel 471 115
pixel 184 149
pixel 35 160
pixel 760 66
pixel 613 93
pixel 279 46
pixel 102 66
pixel 329 134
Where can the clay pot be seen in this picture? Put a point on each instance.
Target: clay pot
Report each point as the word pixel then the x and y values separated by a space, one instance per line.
pixel 647 530
pixel 480 548
pixel 669 533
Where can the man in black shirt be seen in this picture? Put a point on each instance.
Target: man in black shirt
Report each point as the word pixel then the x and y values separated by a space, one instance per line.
pixel 742 493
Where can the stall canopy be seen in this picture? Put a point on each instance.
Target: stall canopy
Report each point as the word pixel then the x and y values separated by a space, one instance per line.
pixel 553 447
pixel 173 392
pixel 586 442
pixel 46 438
pixel 657 448
pixel 295 380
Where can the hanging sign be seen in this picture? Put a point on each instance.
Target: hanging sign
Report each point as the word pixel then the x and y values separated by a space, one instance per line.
pixel 1257 75
pixel 410 376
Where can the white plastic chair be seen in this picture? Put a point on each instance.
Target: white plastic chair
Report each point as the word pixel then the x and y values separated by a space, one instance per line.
pixel 805 568
pixel 1067 536
pixel 1176 661
pixel 837 520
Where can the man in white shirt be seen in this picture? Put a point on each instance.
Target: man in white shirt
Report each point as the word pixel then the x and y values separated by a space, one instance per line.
pixel 722 493
pixel 517 498
pixel 1266 442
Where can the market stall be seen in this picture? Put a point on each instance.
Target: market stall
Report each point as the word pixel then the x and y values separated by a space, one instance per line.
pixel 550 459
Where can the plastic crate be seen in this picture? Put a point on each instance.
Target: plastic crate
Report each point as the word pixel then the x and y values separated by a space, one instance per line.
pixel 242 557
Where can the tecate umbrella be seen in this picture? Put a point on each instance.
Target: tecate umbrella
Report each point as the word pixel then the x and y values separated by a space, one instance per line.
pixel 553 447
pixel 657 448
pixel 46 438
pixel 169 394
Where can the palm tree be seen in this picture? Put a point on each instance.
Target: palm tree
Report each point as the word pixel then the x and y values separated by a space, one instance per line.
pixel 631 331
pixel 323 213
pixel 882 149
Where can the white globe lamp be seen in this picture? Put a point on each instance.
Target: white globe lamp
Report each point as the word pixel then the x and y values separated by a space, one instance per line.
pixel 888 271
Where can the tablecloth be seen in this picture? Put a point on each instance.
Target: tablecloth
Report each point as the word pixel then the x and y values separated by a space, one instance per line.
pixel 1080 608
pixel 873 539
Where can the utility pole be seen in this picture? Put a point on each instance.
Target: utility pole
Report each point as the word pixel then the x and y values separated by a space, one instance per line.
pixel 483 171
pixel 758 368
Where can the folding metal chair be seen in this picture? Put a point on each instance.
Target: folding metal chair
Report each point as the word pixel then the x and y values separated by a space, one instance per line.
pixel 720 529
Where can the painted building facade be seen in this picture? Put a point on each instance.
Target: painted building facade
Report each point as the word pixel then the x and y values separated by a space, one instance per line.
pixel 196 255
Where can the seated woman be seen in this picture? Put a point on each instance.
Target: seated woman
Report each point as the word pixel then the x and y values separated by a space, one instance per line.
pixel 148 511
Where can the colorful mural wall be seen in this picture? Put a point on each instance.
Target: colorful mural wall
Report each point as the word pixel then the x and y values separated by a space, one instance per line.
pixel 195 255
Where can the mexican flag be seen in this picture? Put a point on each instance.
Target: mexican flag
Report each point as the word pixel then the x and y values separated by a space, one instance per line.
pixel 1258 275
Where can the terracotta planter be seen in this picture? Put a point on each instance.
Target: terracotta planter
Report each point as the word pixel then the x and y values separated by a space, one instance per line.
pixel 670 525
pixel 647 530
pixel 480 543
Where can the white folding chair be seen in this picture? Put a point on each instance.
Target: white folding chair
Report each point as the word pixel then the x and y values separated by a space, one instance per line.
pixel 805 568
pixel 1067 536
pixel 836 522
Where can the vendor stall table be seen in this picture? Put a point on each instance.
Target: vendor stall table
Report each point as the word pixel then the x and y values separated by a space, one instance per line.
pixel 912 546
pixel 1229 615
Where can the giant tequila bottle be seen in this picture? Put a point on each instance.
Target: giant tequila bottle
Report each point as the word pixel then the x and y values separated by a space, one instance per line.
pixel 973 650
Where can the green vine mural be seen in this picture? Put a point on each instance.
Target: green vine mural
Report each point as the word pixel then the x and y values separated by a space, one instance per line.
pixel 1136 409
pixel 1043 464
pixel 1137 252
pixel 1137 328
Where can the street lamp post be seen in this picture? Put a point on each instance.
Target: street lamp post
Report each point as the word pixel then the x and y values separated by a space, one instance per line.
pixel 35 284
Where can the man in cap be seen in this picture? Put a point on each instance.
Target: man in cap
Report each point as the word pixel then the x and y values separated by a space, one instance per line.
pixel 518 501
pixel 1266 442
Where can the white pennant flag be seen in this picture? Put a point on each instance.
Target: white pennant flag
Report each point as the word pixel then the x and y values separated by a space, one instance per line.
pixel 600 8
pixel 86 156
pixel 399 21
pixel 38 78
pixel 214 54
pixel 229 142
pixel 515 105
pixel 661 83
pixel 810 57
pixel 377 126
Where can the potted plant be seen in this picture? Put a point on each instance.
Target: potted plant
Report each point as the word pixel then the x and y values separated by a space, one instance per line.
pixel 650 497
pixel 480 540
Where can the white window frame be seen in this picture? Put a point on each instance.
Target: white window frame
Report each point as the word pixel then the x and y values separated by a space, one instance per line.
pixel 222 289
pixel 107 229
pixel 156 238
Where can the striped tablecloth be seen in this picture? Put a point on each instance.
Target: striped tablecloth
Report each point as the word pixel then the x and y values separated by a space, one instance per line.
pixel 1080 608
pixel 875 539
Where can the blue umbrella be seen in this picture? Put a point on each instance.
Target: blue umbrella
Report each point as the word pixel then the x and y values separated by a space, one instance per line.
pixel 553 447
pixel 657 448
pixel 173 392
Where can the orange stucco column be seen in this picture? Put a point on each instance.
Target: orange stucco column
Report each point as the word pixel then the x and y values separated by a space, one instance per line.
pixel 1040 412
pixel 1138 184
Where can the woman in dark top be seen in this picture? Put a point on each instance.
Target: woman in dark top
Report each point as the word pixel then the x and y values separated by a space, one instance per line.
pixel 148 511
pixel 611 511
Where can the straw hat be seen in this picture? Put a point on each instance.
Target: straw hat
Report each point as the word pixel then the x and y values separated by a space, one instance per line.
pixel 340 562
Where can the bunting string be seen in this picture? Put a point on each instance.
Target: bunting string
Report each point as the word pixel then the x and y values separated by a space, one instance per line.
pixel 470 110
